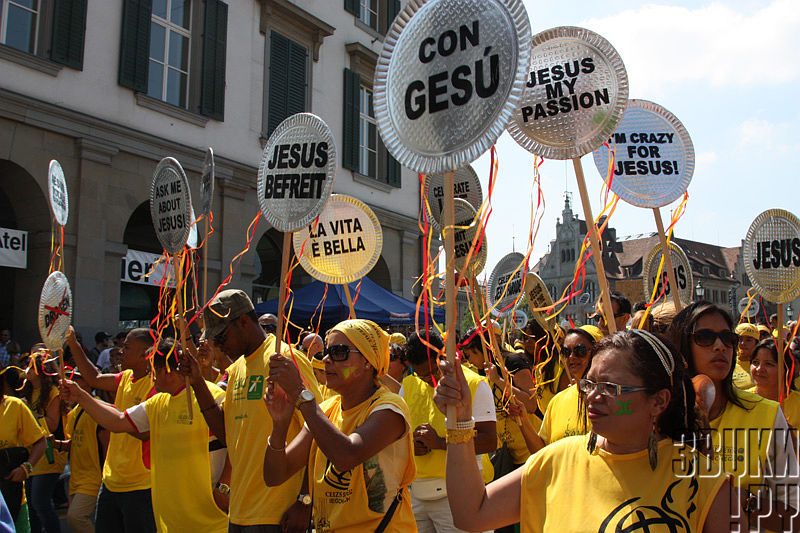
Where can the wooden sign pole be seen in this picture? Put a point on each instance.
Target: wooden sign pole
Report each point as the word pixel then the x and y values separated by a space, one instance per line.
pixel 349 301
pixel 182 325
pixel 597 253
pixel 673 284
pixel 287 243
pixel 781 365
pixel 205 263
pixel 448 222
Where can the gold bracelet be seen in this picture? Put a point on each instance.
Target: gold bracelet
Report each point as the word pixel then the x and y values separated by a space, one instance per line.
pixel 460 436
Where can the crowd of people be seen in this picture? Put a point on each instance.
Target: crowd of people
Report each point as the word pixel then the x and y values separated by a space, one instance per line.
pixel 675 422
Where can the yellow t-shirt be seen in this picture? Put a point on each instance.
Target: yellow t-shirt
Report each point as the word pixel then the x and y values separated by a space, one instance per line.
pixel 355 501
pixel 739 440
pixel 326 393
pixel 565 488
pixel 180 466
pixel 741 375
pixel 124 469
pixel 562 418
pixel 418 395
pixel 509 431
pixel 791 408
pixel 18 426
pixel 84 454
pixel 247 426
pixel 44 466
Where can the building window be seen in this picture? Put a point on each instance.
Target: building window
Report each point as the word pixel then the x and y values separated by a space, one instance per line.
pixel 288 80
pixel 368 13
pixel 20 19
pixel 170 41
pixel 162 60
pixel 367 135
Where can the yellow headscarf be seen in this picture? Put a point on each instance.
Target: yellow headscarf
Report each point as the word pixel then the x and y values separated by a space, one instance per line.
pixel 369 339
pixel 593 331
pixel 397 338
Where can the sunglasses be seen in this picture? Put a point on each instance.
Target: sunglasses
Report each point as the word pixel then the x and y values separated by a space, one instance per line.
pixel 707 337
pixel 269 328
pixel 220 339
pixel 605 388
pixel 580 351
pixel 600 319
pixel 339 352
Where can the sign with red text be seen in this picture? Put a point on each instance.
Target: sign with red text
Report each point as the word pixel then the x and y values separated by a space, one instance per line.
pixel 55 310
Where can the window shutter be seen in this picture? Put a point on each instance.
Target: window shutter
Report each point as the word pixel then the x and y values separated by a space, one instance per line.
pixel 215 33
pixel 287 80
pixel 352 84
pixel 392 9
pixel 352 7
pixel 69 29
pixel 392 170
pixel 134 50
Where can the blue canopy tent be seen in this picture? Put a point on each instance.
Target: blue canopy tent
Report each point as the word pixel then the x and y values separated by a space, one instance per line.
pixel 374 303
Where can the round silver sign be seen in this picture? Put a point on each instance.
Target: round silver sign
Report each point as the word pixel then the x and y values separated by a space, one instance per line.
pixel 448 78
pixel 57 189
pixel 772 255
pixel 171 205
pixel 296 172
pixel 466 186
pixel 466 227
pixel 752 310
pixel 207 183
pixel 55 310
pixel 681 269
pixel 575 94
pixel 654 160
pixel 505 282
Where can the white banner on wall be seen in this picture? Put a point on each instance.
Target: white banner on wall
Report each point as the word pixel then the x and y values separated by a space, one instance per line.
pixel 13 248
pixel 138 267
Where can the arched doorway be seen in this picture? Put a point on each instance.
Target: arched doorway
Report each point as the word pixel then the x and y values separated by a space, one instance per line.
pixel 23 207
pixel 380 274
pixel 267 262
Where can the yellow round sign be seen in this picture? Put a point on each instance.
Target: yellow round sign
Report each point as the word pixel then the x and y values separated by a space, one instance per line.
pixel 344 245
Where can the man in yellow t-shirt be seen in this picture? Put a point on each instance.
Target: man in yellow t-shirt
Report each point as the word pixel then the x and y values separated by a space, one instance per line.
pixel 181 468
pixel 428 491
pixel 244 422
pixel 124 504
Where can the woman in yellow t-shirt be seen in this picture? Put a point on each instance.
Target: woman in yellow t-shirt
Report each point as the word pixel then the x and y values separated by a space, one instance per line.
pixel 563 417
pixel 764 369
pixel 357 445
pixel 629 473
pixel 41 393
pixel 18 429
pixel 750 435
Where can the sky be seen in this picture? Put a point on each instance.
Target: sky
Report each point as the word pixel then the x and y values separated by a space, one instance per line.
pixel 729 72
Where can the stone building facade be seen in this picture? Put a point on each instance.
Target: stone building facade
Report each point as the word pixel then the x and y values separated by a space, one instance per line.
pixel 110 88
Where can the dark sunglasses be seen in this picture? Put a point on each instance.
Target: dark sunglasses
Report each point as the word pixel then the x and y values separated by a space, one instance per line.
pixel 707 337
pixel 579 351
pixel 269 328
pixel 338 352
pixel 599 318
pixel 220 339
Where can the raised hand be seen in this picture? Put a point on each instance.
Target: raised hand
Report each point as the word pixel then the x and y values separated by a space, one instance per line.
pixel 283 372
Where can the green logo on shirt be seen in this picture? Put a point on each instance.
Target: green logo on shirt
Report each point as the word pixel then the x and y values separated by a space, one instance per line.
pixel 255 388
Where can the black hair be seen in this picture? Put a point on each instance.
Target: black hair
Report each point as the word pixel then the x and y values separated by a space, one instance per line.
pixel 47 369
pixel 789 361
pixel 162 351
pixel 679 421
pixel 680 334
pixel 544 367
pixel 622 302
pixel 417 350
pixel 401 352
pixel 639 306
pixel 143 335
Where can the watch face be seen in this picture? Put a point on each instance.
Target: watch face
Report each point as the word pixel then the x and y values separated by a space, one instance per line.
pixel 306 396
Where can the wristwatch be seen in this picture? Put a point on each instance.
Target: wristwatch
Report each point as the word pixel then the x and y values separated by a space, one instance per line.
pixel 223 489
pixel 305 499
pixel 304 397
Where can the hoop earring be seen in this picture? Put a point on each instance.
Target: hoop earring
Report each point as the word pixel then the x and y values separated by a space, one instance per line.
pixel 590 446
pixel 652 448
